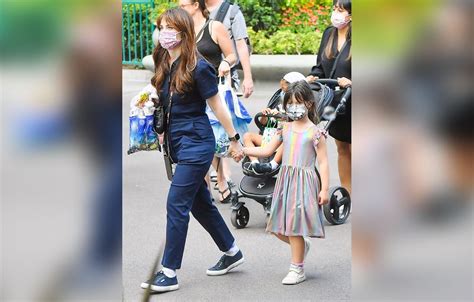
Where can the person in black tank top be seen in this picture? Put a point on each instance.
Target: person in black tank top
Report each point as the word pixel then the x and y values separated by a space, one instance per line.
pixel 209 49
pixel 215 45
pixel 213 41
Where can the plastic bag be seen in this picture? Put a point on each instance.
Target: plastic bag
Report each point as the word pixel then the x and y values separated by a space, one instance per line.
pixel 142 134
pixel 235 108
pixel 222 140
pixel 269 131
pixel 236 112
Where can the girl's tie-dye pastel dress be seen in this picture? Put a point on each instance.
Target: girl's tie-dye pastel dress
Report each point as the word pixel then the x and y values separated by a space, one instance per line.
pixel 295 210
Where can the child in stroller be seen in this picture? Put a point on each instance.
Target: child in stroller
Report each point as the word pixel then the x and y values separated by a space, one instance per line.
pixel 274 107
pixel 260 186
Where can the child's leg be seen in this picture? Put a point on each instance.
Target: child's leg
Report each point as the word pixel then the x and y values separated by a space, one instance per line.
pixel 225 166
pixel 297 249
pixel 222 186
pixel 296 273
pixel 278 155
pixel 282 237
pixel 252 140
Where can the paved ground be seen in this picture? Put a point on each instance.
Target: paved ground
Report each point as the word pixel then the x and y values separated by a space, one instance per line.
pixel 145 186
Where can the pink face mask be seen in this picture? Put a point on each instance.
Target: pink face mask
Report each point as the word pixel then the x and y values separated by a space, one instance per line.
pixel 338 19
pixel 168 39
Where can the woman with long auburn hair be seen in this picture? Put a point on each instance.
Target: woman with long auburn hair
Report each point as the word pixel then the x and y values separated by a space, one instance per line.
pixel 184 82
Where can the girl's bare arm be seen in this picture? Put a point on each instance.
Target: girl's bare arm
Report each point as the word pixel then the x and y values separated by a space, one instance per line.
pixel 322 157
pixel 266 151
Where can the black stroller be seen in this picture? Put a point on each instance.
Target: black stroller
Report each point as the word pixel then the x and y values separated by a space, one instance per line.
pixel 259 187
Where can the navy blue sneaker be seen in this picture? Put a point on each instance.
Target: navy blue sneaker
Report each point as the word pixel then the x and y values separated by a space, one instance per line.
pixel 161 283
pixel 225 264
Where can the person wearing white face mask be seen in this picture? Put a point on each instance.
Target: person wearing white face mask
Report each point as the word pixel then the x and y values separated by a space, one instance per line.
pixel 274 107
pixel 335 61
pixel 184 83
pixel 299 194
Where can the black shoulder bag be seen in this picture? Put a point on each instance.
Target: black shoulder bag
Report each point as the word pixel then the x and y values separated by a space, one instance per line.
pixel 159 117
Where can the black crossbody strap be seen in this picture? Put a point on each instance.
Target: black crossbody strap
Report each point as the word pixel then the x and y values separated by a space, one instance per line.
pixel 198 36
pixel 334 66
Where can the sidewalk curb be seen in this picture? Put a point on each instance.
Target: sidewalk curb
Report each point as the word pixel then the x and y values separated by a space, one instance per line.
pixel 274 67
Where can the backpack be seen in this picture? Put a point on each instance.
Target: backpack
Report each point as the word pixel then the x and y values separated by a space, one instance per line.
pixel 220 16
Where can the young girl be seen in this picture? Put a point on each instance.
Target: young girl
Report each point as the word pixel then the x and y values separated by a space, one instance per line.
pixel 296 207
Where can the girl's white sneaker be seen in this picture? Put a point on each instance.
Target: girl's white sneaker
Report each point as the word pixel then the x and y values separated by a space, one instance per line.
pixel 295 275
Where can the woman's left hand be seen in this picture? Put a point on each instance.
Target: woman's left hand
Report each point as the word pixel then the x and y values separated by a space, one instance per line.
pixel 344 82
pixel 323 197
pixel 224 68
pixel 235 150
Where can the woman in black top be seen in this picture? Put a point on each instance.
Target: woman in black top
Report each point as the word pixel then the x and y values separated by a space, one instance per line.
pixel 213 41
pixel 215 45
pixel 336 42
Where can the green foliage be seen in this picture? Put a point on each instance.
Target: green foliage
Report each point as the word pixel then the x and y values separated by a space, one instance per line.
pixel 274 26
pixel 261 14
pixel 285 42
pixel 160 7
pixel 136 31
pixel 286 26
pixel 306 17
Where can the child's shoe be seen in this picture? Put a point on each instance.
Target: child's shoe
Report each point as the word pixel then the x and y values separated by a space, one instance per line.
pixel 295 275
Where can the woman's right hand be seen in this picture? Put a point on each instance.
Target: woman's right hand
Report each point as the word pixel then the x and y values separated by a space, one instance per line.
pixel 311 79
pixel 224 68
pixel 344 82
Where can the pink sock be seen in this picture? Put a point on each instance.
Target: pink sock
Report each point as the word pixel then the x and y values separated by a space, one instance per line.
pixel 298 264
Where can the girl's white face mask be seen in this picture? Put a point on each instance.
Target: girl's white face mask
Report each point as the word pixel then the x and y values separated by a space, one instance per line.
pixel 296 111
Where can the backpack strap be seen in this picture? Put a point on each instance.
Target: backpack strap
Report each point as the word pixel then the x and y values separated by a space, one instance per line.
pixel 222 12
pixel 233 12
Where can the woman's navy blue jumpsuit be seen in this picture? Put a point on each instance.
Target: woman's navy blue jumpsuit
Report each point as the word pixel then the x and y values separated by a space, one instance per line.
pixel 192 146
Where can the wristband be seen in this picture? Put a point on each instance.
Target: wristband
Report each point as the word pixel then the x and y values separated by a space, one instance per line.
pixel 226 62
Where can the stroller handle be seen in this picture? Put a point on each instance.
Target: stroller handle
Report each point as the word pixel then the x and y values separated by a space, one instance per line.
pixel 259 115
pixel 333 83
pixel 329 82
pixel 341 107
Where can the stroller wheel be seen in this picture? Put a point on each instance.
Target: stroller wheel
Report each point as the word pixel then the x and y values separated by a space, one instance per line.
pixel 240 217
pixel 338 208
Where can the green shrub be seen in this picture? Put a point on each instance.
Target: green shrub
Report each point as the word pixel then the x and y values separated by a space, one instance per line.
pixel 160 7
pixel 285 42
pixel 274 26
pixel 261 14
pixel 306 17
